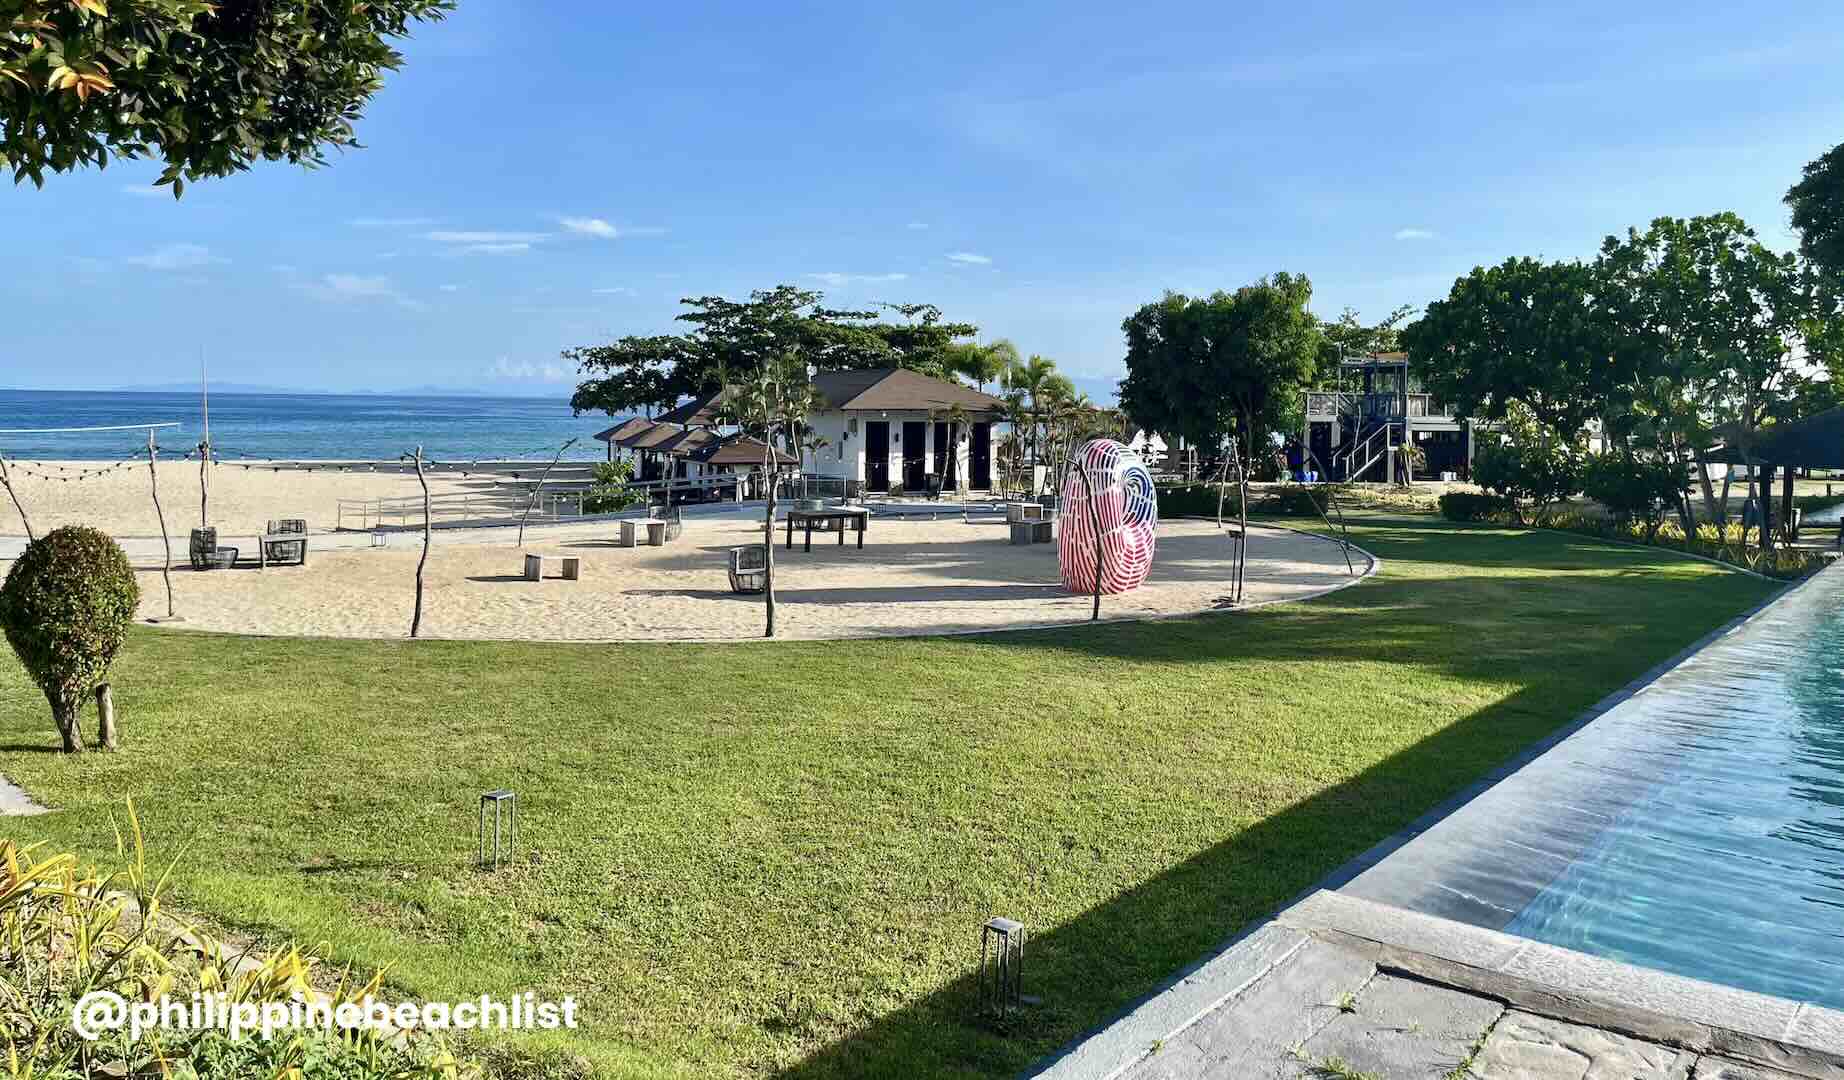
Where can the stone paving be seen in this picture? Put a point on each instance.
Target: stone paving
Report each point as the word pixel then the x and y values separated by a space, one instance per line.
pixel 1325 1011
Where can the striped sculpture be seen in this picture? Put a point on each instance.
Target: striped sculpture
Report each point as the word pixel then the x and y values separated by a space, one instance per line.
pixel 1125 508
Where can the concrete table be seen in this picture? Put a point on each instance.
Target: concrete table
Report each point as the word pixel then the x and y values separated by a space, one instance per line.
pixel 858 518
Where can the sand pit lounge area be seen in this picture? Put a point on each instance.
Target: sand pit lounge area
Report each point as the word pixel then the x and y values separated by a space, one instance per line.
pixel 911 577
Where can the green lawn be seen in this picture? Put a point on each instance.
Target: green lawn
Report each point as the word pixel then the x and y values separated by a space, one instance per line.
pixel 773 860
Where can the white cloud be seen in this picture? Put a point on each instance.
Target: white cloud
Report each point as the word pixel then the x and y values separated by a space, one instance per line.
pixel 507 368
pixel 390 222
pixel 449 288
pixel 967 258
pixel 147 191
pixel 360 287
pixel 618 290
pixel 284 268
pixel 483 242
pixel 839 281
pixel 917 225
pixel 176 257
pixel 589 226
pixel 1414 234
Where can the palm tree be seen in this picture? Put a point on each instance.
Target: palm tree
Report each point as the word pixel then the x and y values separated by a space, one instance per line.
pixel 982 363
pixel 1029 382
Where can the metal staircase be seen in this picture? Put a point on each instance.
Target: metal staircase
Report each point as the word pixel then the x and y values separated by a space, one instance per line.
pixel 1365 452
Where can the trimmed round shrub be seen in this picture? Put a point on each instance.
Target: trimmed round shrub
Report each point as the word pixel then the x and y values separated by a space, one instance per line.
pixel 66 607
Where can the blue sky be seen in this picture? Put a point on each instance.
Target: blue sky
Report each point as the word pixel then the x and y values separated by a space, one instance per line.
pixel 544 175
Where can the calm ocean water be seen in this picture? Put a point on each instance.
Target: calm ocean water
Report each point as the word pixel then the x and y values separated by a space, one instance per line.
pixel 362 426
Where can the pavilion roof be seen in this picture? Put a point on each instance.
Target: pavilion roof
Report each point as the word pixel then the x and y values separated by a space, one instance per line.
pixel 740 450
pixel 1817 442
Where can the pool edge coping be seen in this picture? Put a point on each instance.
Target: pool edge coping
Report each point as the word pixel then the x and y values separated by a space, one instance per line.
pixel 1149 1029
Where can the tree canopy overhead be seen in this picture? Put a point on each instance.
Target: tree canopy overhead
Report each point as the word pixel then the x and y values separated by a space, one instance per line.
pixel 1817 202
pixel 1231 361
pixel 731 337
pixel 1523 332
pixel 208 88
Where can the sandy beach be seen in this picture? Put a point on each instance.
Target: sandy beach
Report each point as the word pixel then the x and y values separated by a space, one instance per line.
pixel 912 577
pixel 242 497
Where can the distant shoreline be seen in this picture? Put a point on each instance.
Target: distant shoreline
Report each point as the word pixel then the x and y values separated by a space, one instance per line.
pixel 559 395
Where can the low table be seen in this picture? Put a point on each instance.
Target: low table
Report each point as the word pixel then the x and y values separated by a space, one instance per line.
pixel 262 548
pixel 638 531
pixel 857 517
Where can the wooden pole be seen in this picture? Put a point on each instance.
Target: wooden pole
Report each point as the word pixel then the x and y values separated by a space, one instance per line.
pixel 542 477
pixel 166 544
pixel 105 716
pixel 768 528
pixel 204 446
pixel 416 620
pixel 6 481
pixel 1094 518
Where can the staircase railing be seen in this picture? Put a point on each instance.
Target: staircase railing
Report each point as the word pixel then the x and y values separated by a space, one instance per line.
pixel 1365 448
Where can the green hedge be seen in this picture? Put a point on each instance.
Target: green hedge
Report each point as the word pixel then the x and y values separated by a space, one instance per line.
pixel 1195 500
pixel 1472 506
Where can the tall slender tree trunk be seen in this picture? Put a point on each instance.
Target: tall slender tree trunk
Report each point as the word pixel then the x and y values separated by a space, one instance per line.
pixel 1718 512
pixel 166 543
pixel 416 619
pixel 204 459
pixel 67 712
pixel 768 531
pixel 546 475
pixel 105 716
pixel 6 481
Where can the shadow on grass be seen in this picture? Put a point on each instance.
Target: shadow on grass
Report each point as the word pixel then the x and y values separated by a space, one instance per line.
pixel 1585 632
pixel 1114 955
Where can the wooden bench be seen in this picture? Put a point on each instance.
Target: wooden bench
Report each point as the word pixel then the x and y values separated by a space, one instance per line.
pixel 572 567
pixel 1034 531
pixel 638 531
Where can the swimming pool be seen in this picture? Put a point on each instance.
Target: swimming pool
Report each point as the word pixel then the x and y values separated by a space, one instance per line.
pixel 1696 827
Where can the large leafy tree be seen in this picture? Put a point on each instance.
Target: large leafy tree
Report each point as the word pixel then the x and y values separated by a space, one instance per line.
pixel 1231 361
pixel 923 341
pixel 1524 332
pixel 209 88
pixel 1348 336
pixel 731 339
pixel 1715 327
pixel 1817 202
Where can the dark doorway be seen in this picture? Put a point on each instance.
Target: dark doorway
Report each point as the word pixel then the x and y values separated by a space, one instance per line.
pixel 945 466
pixel 877 455
pixel 981 458
pixel 1319 441
pixel 915 455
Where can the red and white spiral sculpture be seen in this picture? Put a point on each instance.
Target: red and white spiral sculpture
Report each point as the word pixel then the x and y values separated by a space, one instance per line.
pixel 1126 509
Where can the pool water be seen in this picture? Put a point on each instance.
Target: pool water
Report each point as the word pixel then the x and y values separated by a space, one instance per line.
pixel 1696 828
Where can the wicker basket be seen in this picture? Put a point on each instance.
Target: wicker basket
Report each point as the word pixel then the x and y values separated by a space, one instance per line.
pixel 749 568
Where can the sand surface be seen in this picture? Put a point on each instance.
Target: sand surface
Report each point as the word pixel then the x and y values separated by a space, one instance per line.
pixel 242 499
pixel 911 577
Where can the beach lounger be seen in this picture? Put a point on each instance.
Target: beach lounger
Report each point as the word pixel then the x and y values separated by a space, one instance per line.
pixel 207 555
pixel 286 552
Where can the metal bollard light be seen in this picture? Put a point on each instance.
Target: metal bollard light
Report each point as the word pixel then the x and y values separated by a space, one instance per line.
pixel 502 797
pixel 1001 966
